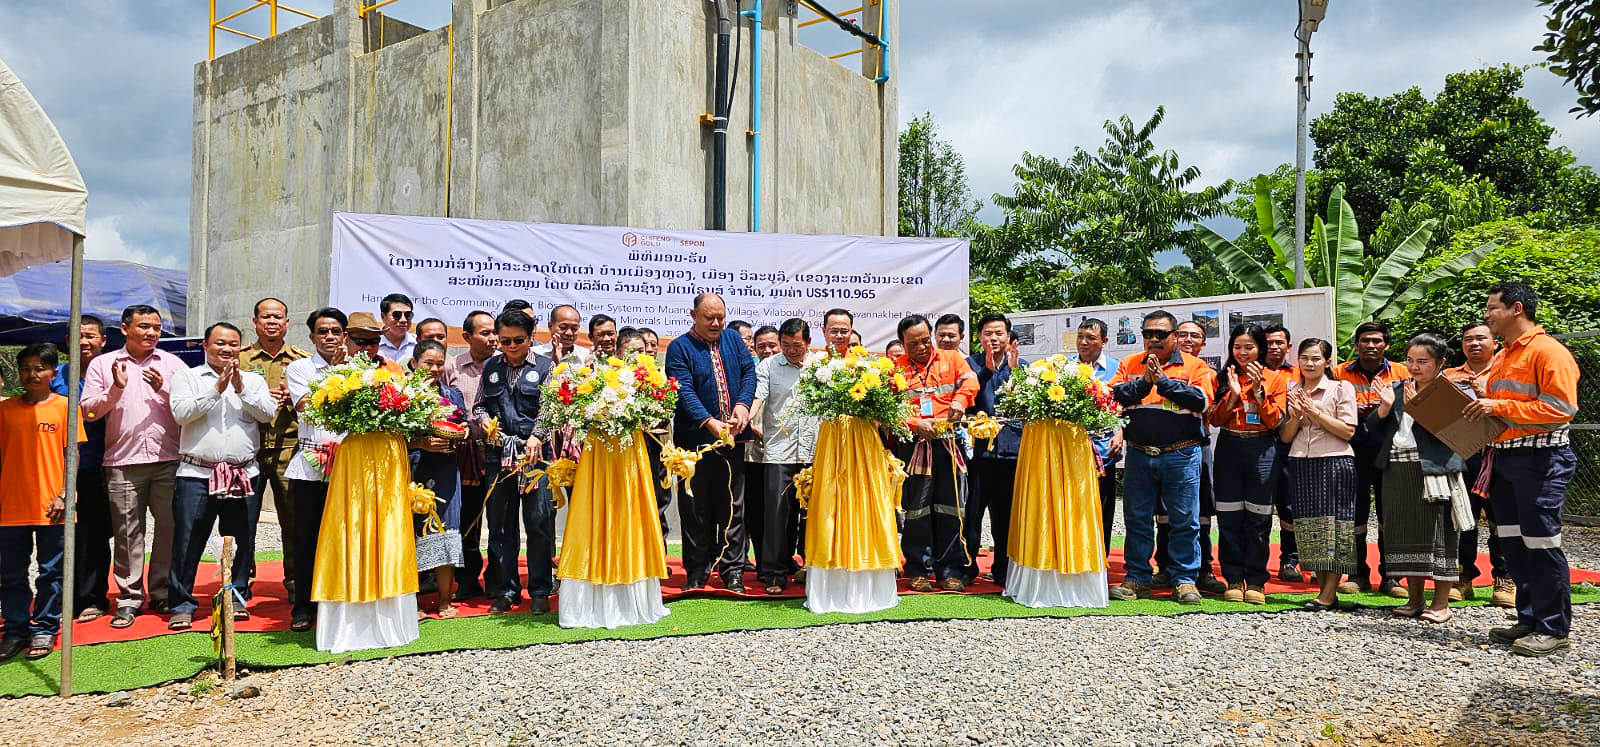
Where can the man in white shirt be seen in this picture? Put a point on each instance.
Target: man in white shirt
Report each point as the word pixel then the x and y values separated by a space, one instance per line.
pixel 219 409
pixel 563 346
pixel 788 440
pixel 308 486
pixel 397 342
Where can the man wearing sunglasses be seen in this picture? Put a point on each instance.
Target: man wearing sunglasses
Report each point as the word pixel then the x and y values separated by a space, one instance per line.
pixel 397 341
pixel 1164 391
pixel 364 335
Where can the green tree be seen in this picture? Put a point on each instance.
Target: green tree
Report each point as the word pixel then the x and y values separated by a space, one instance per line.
pixel 1478 145
pixel 1362 290
pixel 934 197
pixel 1572 43
pixel 1086 230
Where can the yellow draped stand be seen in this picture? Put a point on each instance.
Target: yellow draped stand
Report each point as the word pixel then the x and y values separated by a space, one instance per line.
pixel 1056 548
pixel 850 546
pixel 365 579
pixel 612 560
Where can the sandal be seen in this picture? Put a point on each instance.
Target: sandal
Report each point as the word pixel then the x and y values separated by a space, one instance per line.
pixel 40 648
pixel 445 613
pixel 1316 606
pixel 123 617
pixel 1407 611
pixel 1438 616
pixel 300 625
pixel 180 621
pixel 90 614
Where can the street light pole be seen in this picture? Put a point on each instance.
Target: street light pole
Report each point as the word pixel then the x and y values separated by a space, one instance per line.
pixel 1311 14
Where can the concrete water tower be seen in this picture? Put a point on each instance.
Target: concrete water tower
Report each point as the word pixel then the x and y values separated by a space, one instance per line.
pixel 568 111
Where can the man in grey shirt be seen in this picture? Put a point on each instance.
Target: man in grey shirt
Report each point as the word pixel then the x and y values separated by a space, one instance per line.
pixel 788 440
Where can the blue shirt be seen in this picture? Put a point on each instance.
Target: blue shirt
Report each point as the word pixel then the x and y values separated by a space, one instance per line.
pixel 1009 441
pixel 689 361
pixel 93 450
pixel 1104 371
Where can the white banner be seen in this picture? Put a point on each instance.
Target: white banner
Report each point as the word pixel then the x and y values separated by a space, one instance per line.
pixel 643 277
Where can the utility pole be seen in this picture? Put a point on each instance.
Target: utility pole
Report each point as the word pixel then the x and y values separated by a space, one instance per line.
pixel 1311 14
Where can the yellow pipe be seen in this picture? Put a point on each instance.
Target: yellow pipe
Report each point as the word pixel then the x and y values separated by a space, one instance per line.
pixel 213 29
pixel 365 9
pixel 241 33
pixel 252 6
pixel 845 54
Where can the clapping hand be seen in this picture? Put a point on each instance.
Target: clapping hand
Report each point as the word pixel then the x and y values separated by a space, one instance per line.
pixel 1386 395
pixel 153 378
pixel 281 394
pixel 1410 389
pixel 119 375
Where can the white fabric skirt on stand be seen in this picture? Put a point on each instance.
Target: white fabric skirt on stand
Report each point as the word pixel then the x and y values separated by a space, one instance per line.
pixel 1031 587
pixel 354 626
pixel 586 605
pixel 839 590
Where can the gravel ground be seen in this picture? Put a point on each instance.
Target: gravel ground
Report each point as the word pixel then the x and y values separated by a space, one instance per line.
pixel 1269 679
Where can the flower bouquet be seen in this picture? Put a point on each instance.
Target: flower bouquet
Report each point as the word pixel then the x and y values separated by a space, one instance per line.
pixel 1058 389
pixel 359 397
pixel 612 399
pixel 856 385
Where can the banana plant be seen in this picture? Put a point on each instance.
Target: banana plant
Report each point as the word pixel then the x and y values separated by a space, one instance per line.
pixel 1356 297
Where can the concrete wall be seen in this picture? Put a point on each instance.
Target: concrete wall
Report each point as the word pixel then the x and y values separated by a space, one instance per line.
pixel 571 111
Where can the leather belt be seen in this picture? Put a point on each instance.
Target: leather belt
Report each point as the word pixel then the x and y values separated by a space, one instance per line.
pixel 1248 434
pixel 1159 450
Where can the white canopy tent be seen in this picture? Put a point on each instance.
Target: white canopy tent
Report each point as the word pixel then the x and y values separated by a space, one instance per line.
pixel 43 204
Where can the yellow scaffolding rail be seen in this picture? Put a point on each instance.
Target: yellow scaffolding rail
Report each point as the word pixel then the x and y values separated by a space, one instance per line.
pixel 824 16
pixel 272 7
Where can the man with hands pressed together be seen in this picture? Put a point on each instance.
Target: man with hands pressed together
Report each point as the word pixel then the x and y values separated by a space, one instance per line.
pixel 219 408
pixel 994 465
pixel 716 388
pixel 1164 391
pixel 128 389
pixel 942 388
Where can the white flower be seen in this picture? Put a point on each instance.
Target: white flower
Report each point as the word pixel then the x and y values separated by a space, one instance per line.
pixel 608 395
pixel 592 411
pixel 366 378
pixel 619 410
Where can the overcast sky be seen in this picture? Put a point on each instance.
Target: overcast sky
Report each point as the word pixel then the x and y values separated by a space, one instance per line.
pixel 999 76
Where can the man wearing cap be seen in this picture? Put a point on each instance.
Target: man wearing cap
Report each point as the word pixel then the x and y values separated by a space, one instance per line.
pixel 364 335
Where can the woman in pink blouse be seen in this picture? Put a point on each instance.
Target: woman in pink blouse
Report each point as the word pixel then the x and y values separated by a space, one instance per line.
pixel 1320 420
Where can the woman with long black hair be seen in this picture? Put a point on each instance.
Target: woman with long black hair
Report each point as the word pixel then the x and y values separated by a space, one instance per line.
pixel 1320 419
pixel 1250 401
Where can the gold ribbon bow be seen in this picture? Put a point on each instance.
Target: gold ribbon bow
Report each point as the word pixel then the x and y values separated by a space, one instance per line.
pixel 425 502
pixel 802 488
pixel 981 426
pixel 561 474
pixel 680 462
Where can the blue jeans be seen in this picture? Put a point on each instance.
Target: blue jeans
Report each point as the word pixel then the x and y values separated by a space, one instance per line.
pixel 194 512
pixel 1173 480
pixel 538 515
pixel 28 614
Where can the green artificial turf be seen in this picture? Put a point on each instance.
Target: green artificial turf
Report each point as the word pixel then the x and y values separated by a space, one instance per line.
pixel 127 665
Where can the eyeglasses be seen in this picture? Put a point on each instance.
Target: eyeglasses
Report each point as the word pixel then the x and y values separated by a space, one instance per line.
pixel 1156 334
pixel 399 315
pixel 513 341
pixel 365 342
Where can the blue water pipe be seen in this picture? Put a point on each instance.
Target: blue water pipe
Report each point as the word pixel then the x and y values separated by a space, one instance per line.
pixel 755 17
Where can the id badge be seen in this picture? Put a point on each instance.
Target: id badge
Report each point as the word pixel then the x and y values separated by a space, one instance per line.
pixel 926 405
pixel 1252 418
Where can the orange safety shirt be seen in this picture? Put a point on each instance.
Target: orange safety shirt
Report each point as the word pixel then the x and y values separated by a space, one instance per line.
pixel 1261 408
pixel 1534 381
pixel 1367 385
pixel 946 379
pixel 1169 412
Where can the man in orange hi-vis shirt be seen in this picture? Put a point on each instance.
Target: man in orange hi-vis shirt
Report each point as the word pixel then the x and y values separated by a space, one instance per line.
pixel 1369 373
pixel 942 387
pixel 1533 387
pixel 33 442
pixel 1165 393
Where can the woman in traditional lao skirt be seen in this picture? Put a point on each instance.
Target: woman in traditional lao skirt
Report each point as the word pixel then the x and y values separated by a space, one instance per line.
pixel 434 467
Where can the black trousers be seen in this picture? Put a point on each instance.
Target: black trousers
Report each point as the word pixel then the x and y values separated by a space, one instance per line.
pixel 992 481
pixel 713 520
pixel 1283 502
pixel 1108 504
pixel 536 512
pixel 658 472
pixel 1369 499
pixel 1208 512
pixel 92 533
pixel 473 500
pixel 931 541
pixel 755 505
pixel 310 496
pixel 782 528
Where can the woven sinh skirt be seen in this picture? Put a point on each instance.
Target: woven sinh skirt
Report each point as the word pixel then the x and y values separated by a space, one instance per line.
pixel 1324 512
pixel 1419 537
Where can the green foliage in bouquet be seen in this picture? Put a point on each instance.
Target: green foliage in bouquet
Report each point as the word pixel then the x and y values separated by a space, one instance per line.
pixel 359 397
pixel 1055 388
pixel 856 385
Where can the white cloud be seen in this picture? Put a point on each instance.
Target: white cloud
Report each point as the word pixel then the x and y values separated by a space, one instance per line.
pixel 105 241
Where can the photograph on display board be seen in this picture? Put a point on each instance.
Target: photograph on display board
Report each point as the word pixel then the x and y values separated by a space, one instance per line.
pixel 1210 320
pixel 1261 315
pixel 1127 330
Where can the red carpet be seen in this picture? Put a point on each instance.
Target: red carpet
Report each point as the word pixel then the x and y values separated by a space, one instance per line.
pixel 269 611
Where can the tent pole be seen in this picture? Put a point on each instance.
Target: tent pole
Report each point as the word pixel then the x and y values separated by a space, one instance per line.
pixel 69 543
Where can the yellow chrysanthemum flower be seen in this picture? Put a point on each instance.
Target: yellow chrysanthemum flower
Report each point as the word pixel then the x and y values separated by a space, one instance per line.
pixel 585 388
pixel 1057 393
pixel 333 393
pixel 901 383
pixel 613 377
pixel 319 398
pixel 850 360
pixel 614 361
pixel 1039 365
pixel 585 371
pixel 382 376
pixel 871 380
pixel 858 351
pixel 1085 372
pixel 1049 376
pixel 884 364
pixel 857 393
pixel 657 380
pixel 334 382
pixel 560 369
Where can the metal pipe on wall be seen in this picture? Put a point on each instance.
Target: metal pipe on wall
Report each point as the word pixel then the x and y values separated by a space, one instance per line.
pixel 719 121
pixel 755 16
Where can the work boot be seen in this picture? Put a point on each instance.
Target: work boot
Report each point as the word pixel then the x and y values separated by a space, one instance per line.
pixel 1394 589
pixel 1235 593
pixel 1290 573
pixel 1462 592
pixel 1162 580
pixel 1510 635
pixel 1505 593
pixel 1186 594
pixel 1539 644
pixel 1210 585
pixel 1255 595
pixel 1129 591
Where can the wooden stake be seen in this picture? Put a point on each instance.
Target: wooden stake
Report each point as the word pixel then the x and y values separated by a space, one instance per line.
pixel 227 609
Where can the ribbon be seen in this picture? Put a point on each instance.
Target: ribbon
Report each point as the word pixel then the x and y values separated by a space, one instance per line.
pixel 560 474
pixel 802 488
pixel 216 614
pixel 425 502
pixel 680 462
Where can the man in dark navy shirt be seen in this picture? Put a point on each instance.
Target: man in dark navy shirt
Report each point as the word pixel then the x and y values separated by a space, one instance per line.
pixel 994 465
pixel 716 389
